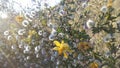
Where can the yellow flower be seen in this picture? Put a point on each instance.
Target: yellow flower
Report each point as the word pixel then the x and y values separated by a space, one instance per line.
pixel 19 18
pixel 93 65
pixel 83 46
pixel 110 2
pixel 31 33
pixel 62 48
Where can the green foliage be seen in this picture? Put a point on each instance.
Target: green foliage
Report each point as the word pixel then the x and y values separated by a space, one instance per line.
pixel 69 20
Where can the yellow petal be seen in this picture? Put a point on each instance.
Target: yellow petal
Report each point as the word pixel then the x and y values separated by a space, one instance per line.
pixel 57 43
pixel 66 45
pixel 109 3
pixel 60 51
pixel 55 48
pixel 94 65
pixel 62 42
pixel 65 55
pixel 19 18
pixel 33 32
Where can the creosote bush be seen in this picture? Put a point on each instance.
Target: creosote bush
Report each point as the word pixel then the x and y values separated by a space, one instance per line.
pixel 72 34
